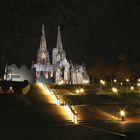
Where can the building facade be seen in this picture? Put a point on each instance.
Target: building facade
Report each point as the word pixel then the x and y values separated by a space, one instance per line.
pixel 14 73
pixel 61 70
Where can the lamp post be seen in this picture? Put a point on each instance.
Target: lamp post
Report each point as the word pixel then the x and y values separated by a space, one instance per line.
pixel 77 91
pixel 122 114
pixel 114 80
pixel 138 84
pixel 114 90
pixel 132 88
pixel 127 85
pixel 81 90
pixel 121 86
pixel 102 82
pixel 61 82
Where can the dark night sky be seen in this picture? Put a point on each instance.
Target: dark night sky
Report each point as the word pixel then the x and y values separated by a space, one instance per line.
pixel 89 29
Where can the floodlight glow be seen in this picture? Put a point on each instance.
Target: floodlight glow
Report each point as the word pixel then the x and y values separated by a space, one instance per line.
pixel 115 90
pixel 115 80
pixel 85 81
pixel 61 82
pixel 82 90
pixel 77 91
pixel 138 84
pixel 71 113
pixel 132 88
pixel 11 88
pixel 122 113
pixel 102 82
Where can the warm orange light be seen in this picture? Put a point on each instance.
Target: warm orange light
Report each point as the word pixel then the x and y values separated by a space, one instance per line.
pixel 132 88
pixel 10 88
pixel 102 82
pixel 115 80
pixel 61 82
pixel 115 90
pixel 122 113
pixel 82 90
pixel 77 91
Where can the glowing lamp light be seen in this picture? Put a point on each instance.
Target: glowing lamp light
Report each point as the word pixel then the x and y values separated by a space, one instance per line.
pixel 127 80
pixel 115 80
pixel 121 83
pixel 132 88
pixel 61 82
pixel 85 81
pixel 138 84
pixel 11 88
pixel 138 80
pixel 77 91
pixel 122 114
pixel 115 90
pixel 102 82
pixel 82 90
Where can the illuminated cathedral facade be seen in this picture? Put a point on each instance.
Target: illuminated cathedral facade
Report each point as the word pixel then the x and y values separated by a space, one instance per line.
pixel 60 71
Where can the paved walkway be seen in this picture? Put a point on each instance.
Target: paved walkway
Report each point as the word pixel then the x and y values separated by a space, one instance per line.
pixel 44 103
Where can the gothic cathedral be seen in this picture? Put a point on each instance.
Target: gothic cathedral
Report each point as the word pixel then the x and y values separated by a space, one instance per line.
pixel 60 71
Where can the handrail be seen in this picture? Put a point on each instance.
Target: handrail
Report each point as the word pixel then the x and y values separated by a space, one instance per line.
pixel 71 110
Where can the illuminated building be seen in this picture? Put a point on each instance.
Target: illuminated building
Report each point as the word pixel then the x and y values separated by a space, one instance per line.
pixel 60 69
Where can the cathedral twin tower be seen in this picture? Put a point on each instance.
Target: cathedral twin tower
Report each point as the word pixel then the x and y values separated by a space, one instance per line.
pixel 60 69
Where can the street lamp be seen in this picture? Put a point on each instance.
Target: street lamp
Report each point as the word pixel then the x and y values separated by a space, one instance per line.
pixel 11 90
pixel 77 91
pixel 132 88
pixel 102 82
pixel 127 80
pixel 85 81
pixel 115 80
pixel 61 82
pixel 127 86
pixel 115 90
pixel 138 84
pixel 81 90
pixel 122 114
pixel 121 86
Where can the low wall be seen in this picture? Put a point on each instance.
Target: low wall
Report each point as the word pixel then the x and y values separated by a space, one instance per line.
pixel 26 89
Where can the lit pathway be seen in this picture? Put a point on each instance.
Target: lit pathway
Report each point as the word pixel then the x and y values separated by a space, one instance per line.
pixel 46 106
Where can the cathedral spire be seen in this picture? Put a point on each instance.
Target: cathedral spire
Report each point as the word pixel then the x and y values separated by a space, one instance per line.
pixel 59 40
pixel 43 54
pixel 43 45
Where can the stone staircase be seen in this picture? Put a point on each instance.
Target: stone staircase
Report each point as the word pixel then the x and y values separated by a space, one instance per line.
pixel 45 106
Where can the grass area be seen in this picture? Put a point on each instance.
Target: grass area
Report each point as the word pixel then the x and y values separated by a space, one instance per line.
pixel 130 94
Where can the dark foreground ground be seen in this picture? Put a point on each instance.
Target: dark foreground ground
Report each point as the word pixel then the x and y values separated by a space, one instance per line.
pixel 66 132
pixel 35 117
